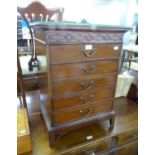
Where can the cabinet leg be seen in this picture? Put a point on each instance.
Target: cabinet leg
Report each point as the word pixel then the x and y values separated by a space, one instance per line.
pixel 112 122
pixel 52 139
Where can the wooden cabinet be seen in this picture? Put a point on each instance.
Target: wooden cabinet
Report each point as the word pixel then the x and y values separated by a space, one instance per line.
pixel 83 63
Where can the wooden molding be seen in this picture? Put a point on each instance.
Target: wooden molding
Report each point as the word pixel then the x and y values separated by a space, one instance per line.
pixel 75 37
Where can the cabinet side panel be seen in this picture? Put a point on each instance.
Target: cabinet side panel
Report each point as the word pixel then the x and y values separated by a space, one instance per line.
pixel 45 93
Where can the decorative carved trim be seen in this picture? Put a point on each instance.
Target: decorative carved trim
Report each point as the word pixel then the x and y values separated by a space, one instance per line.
pixel 74 37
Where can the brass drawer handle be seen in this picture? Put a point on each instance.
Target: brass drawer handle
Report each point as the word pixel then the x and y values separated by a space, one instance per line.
pixel 86 101
pixel 90 110
pixel 88 53
pixel 88 86
pixel 93 67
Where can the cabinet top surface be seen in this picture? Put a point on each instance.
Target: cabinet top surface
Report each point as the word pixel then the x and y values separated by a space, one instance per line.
pixel 77 26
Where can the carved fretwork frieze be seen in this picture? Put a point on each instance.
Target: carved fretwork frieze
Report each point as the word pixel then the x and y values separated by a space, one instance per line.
pixel 75 37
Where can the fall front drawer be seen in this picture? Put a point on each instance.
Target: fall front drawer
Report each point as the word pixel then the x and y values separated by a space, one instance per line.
pixel 66 87
pixel 62 71
pixel 76 53
pixel 65 102
pixel 81 112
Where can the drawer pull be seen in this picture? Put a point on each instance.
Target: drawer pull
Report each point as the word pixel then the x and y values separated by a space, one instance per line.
pixel 90 110
pixel 88 53
pixel 90 137
pixel 86 101
pixel 88 86
pixel 93 67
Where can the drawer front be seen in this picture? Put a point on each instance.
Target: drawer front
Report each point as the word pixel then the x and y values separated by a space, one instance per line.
pixel 127 137
pixel 93 150
pixel 83 69
pixel 75 53
pixel 130 149
pixel 82 99
pixel 82 112
pixel 113 145
pixel 66 87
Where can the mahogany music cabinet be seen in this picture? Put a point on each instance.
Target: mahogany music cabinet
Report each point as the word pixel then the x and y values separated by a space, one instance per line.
pixel 83 63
